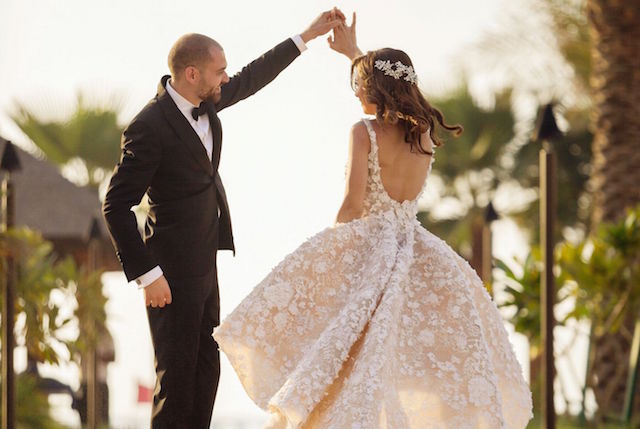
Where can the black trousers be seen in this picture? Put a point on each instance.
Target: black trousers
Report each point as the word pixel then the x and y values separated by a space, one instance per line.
pixel 187 358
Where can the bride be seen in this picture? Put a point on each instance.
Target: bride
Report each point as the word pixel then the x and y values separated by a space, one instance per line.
pixel 375 322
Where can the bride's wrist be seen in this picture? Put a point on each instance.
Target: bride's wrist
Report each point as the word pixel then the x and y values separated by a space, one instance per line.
pixel 355 53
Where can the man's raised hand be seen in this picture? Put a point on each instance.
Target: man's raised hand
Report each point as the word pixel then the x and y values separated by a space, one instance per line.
pixel 323 24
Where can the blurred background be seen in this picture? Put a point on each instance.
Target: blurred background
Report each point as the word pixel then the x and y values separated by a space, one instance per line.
pixel 74 73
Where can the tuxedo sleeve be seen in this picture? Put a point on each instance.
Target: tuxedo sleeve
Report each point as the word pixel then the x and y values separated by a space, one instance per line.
pixel 139 160
pixel 255 75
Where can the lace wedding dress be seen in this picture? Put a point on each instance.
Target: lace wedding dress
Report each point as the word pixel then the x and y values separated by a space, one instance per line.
pixel 376 323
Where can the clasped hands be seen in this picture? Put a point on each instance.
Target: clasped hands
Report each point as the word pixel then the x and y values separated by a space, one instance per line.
pixel 343 39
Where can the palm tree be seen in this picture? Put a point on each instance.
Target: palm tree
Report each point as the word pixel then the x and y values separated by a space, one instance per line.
pixel 615 83
pixel 542 52
pixel 88 142
pixel 562 54
pixel 467 167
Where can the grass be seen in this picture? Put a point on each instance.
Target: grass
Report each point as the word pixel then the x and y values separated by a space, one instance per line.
pixel 572 422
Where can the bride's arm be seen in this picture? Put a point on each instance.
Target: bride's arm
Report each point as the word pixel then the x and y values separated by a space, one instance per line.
pixel 344 40
pixel 357 172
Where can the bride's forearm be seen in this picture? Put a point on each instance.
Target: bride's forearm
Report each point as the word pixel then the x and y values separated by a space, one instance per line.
pixel 348 212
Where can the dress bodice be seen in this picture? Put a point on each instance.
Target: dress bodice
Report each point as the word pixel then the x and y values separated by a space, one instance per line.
pixel 376 323
pixel 377 200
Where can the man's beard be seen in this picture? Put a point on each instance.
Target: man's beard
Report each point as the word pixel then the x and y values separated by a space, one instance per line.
pixel 212 95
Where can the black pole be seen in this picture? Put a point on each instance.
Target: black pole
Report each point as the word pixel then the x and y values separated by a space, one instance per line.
pixel 632 378
pixel 8 164
pixel 490 215
pixel 94 399
pixel 547 129
pixel 547 224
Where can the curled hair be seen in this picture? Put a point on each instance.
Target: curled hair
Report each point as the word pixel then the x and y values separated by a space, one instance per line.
pixel 399 101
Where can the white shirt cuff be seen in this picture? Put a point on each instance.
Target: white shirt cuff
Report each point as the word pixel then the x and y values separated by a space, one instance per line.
pixel 149 277
pixel 297 39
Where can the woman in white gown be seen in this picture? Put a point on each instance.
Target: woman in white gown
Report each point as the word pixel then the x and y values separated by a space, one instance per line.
pixel 375 322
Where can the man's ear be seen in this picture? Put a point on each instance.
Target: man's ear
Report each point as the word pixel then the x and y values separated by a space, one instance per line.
pixel 191 74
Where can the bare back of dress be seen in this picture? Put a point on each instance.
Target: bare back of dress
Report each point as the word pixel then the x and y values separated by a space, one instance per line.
pixel 376 323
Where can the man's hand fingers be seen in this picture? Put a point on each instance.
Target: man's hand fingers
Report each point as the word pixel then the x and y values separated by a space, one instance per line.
pixel 353 22
pixel 328 26
pixel 159 301
pixel 158 293
pixel 334 23
pixel 338 13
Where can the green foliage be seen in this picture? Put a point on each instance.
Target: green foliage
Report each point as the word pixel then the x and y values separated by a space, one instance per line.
pixel 90 312
pixel 532 53
pixel 91 135
pixel 486 132
pixel 52 296
pixel 522 292
pixel 571 422
pixel 604 271
pixel 468 165
pixel 601 273
pixel 32 406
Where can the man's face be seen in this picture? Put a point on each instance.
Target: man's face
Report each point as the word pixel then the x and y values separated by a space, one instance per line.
pixel 212 76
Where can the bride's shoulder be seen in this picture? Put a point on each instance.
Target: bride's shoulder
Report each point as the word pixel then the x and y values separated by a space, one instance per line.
pixel 359 136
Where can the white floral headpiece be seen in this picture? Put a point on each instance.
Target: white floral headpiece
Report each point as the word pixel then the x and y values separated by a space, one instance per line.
pixel 399 70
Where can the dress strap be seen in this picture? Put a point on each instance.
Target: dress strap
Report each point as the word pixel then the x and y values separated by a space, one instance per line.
pixel 372 135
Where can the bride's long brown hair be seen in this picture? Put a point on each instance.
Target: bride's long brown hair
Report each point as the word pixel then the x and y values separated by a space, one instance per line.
pixel 399 100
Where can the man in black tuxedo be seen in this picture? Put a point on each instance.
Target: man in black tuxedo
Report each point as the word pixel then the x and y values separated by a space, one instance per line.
pixel 171 151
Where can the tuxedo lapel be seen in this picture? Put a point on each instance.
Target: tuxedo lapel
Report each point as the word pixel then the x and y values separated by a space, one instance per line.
pixel 216 132
pixel 182 127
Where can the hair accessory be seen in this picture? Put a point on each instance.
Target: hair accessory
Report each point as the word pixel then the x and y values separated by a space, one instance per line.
pixel 399 70
pixel 407 118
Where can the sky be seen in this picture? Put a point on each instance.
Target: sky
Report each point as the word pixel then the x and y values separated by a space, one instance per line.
pixel 284 149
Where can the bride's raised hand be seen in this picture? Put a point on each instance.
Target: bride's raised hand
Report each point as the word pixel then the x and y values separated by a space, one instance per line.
pixel 344 39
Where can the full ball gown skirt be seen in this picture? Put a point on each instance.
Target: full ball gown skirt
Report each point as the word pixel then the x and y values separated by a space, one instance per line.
pixel 376 323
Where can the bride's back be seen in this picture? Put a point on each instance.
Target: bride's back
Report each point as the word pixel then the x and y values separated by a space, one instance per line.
pixel 402 171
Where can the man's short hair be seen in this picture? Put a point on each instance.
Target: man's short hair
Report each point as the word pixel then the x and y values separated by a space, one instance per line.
pixel 190 50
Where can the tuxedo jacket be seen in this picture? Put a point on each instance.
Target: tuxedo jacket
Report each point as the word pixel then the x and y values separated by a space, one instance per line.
pixel 162 156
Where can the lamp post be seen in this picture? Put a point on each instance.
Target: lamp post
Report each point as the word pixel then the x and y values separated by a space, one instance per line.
pixel 632 378
pixel 8 165
pixel 490 215
pixel 546 130
pixel 94 400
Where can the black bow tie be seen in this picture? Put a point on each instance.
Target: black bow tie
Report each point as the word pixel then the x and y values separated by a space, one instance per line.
pixel 199 111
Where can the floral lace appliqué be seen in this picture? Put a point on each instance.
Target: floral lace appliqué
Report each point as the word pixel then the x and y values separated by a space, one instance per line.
pixel 376 323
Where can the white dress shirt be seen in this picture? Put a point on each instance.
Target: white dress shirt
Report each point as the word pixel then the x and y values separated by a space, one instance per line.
pixel 202 127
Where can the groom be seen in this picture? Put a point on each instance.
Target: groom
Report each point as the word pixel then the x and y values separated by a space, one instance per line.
pixel 171 151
